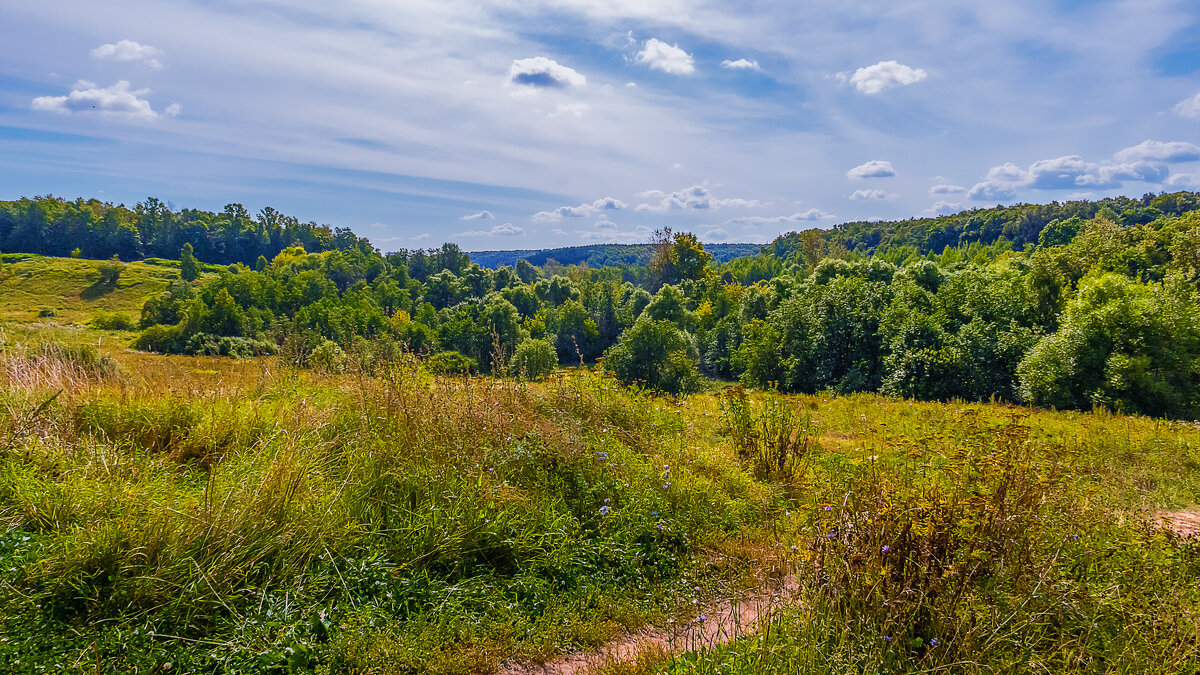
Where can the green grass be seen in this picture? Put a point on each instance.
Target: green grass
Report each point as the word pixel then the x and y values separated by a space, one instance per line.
pixel 67 289
pixel 245 517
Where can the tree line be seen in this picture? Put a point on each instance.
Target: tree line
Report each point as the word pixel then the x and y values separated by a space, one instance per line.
pixel 1097 307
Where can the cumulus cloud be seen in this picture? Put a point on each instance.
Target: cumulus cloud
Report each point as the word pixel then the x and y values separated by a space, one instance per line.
pixel 882 76
pixel 694 198
pixel 668 58
pixel 875 168
pixel 581 211
pixel 872 195
pixel 173 110
pixel 543 73
pixel 717 234
pixel 740 64
pixel 128 50
pixel 808 216
pixel 943 208
pixel 1186 180
pixel 115 101
pixel 482 215
pixel 569 110
pixel 608 231
pixel 1158 151
pixel 1189 107
pixel 947 190
pixel 1072 171
pixel 505 230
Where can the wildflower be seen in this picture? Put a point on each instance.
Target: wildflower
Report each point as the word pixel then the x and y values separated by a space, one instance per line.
pixel 701 618
pixel 654 513
pixel 887 638
pixel 830 535
pixel 660 527
pixel 602 455
pixel 666 486
pixel 934 642
pixel 886 548
pixel 828 507
pixel 604 510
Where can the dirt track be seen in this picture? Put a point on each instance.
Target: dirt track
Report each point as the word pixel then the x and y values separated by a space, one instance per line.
pixel 716 624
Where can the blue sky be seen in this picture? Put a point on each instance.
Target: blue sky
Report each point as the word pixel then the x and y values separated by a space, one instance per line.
pixel 538 123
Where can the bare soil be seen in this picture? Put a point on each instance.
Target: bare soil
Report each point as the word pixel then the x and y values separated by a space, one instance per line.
pixel 1185 523
pixel 717 623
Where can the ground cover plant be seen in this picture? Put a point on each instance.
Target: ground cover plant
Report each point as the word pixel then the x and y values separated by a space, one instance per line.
pixel 226 516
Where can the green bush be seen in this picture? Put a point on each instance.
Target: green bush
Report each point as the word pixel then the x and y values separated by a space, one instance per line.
pixel 113 321
pixel 656 354
pixel 534 359
pixel 452 363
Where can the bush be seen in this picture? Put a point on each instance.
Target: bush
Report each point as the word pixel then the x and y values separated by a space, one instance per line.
pixel 534 359
pixel 112 321
pixel 656 354
pixel 159 338
pixel 452 363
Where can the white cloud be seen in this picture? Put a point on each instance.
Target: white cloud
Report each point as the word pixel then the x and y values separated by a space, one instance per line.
pixel 482 215
pixel 947 190
pixel 1189 107
pixel 606 225
pixel 740 64
pixel 128 50
pixel 872 195
pixel 875 168
pixel 419 237
pixel 943 208
pixel 115 101
pixel 694 198
pixel 883 75
pixel 668 58
pixel 173 110
pixel 581 211
pixel 1188 180
pixel 569 109
pixel 1072 171
pixel 541 72
pixel 505 230
pixel 717 235
pixel 1158 151
pixel 810 215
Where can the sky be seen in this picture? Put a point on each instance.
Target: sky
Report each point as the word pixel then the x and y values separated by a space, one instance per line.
pixel 519 124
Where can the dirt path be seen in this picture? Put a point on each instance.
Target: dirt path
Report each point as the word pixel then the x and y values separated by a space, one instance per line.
pixel 1185 523
pixel 716 624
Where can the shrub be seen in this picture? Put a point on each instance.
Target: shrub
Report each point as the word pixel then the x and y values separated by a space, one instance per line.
pixel 452 363
pixel 112 321
pixel 159 338
pixel 657 354
pixel 534 359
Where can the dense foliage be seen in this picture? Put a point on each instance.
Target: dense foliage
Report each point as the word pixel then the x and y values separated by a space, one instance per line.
pixel 1097 308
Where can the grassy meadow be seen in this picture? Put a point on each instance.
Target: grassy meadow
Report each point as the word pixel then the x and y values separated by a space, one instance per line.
pixel 209 515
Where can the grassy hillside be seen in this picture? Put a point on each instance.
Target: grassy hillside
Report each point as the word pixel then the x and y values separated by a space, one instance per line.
pixel 211 515
pixel 69 291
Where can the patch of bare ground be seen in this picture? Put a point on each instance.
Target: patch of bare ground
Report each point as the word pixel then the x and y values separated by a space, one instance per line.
pixel 715 624
pixel 1185 523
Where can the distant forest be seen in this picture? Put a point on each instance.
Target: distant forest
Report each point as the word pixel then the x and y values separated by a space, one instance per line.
pixel 1071 305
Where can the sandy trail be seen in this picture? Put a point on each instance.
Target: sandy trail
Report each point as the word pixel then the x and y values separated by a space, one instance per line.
pixel 716 624
pixel 1185 523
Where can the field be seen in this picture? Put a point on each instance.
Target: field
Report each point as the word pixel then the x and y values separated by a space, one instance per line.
pixel 212 515
pixel 69 291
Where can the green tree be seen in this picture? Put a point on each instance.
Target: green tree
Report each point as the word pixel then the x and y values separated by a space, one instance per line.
pixel 534 359
pixel 188 267
pixel 656 354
